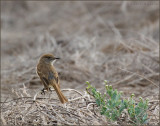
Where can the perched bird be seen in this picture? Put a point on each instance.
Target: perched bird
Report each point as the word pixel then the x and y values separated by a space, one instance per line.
pixel 49 75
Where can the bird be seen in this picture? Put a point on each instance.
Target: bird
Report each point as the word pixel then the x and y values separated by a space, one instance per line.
pixel 49 76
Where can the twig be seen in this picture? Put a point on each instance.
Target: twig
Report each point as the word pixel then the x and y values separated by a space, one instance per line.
pixel 139 75
pixel 89 105
pixel 153 101
pixel 72 90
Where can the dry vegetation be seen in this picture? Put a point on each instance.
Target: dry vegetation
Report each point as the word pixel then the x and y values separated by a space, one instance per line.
pixel 96 41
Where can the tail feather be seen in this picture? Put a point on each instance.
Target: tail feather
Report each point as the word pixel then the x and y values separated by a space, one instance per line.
pixel 62 98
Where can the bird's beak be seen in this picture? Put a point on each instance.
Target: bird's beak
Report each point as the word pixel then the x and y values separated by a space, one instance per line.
pixel 56 58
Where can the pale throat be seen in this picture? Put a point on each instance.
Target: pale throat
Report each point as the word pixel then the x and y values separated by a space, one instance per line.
pixel 53 61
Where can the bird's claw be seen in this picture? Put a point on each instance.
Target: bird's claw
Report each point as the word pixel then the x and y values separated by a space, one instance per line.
pixel 42 91
pixel 50 90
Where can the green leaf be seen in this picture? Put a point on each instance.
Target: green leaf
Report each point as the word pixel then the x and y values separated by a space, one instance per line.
pixel 122 107
pixel 98 102
pixel 113 97
pixel 114 105
pixel 103 110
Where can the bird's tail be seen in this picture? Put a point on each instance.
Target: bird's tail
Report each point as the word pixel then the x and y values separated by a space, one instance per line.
pixel 62 98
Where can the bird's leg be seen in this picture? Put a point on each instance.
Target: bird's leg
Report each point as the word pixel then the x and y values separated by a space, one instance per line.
pixel 50 92
pixel 50 89
pixel 43 91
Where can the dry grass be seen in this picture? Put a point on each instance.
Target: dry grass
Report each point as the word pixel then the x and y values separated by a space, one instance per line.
pixel 96 41
pixel 44 110
pixel 47 110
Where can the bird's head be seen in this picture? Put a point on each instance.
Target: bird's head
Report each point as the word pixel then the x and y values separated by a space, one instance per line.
pixel 48 58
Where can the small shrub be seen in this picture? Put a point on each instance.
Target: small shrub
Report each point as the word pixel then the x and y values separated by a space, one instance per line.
pixel 112 104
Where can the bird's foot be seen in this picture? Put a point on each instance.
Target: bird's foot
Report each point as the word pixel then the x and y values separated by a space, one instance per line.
pixel 50 89
pixel 43 91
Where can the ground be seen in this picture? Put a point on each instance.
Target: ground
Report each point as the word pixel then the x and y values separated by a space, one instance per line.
pixel 96 41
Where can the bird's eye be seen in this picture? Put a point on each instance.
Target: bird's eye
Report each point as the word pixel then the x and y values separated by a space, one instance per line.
pixel 49 57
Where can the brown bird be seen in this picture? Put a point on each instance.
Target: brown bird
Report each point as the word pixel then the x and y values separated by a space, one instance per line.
pixel 49 75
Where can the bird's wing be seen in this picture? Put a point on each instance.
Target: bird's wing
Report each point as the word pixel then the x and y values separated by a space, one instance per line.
pixel 43 78
pixel 53 76
pixel 48 75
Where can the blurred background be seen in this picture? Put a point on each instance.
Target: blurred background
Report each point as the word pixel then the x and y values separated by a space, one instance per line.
pixel 96 41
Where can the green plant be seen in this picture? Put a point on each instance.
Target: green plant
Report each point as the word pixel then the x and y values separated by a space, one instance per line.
pixel 138 111
pixel 112 104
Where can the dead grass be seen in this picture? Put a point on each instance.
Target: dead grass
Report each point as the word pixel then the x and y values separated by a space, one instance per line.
pixel 96 41
pixel 45 110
